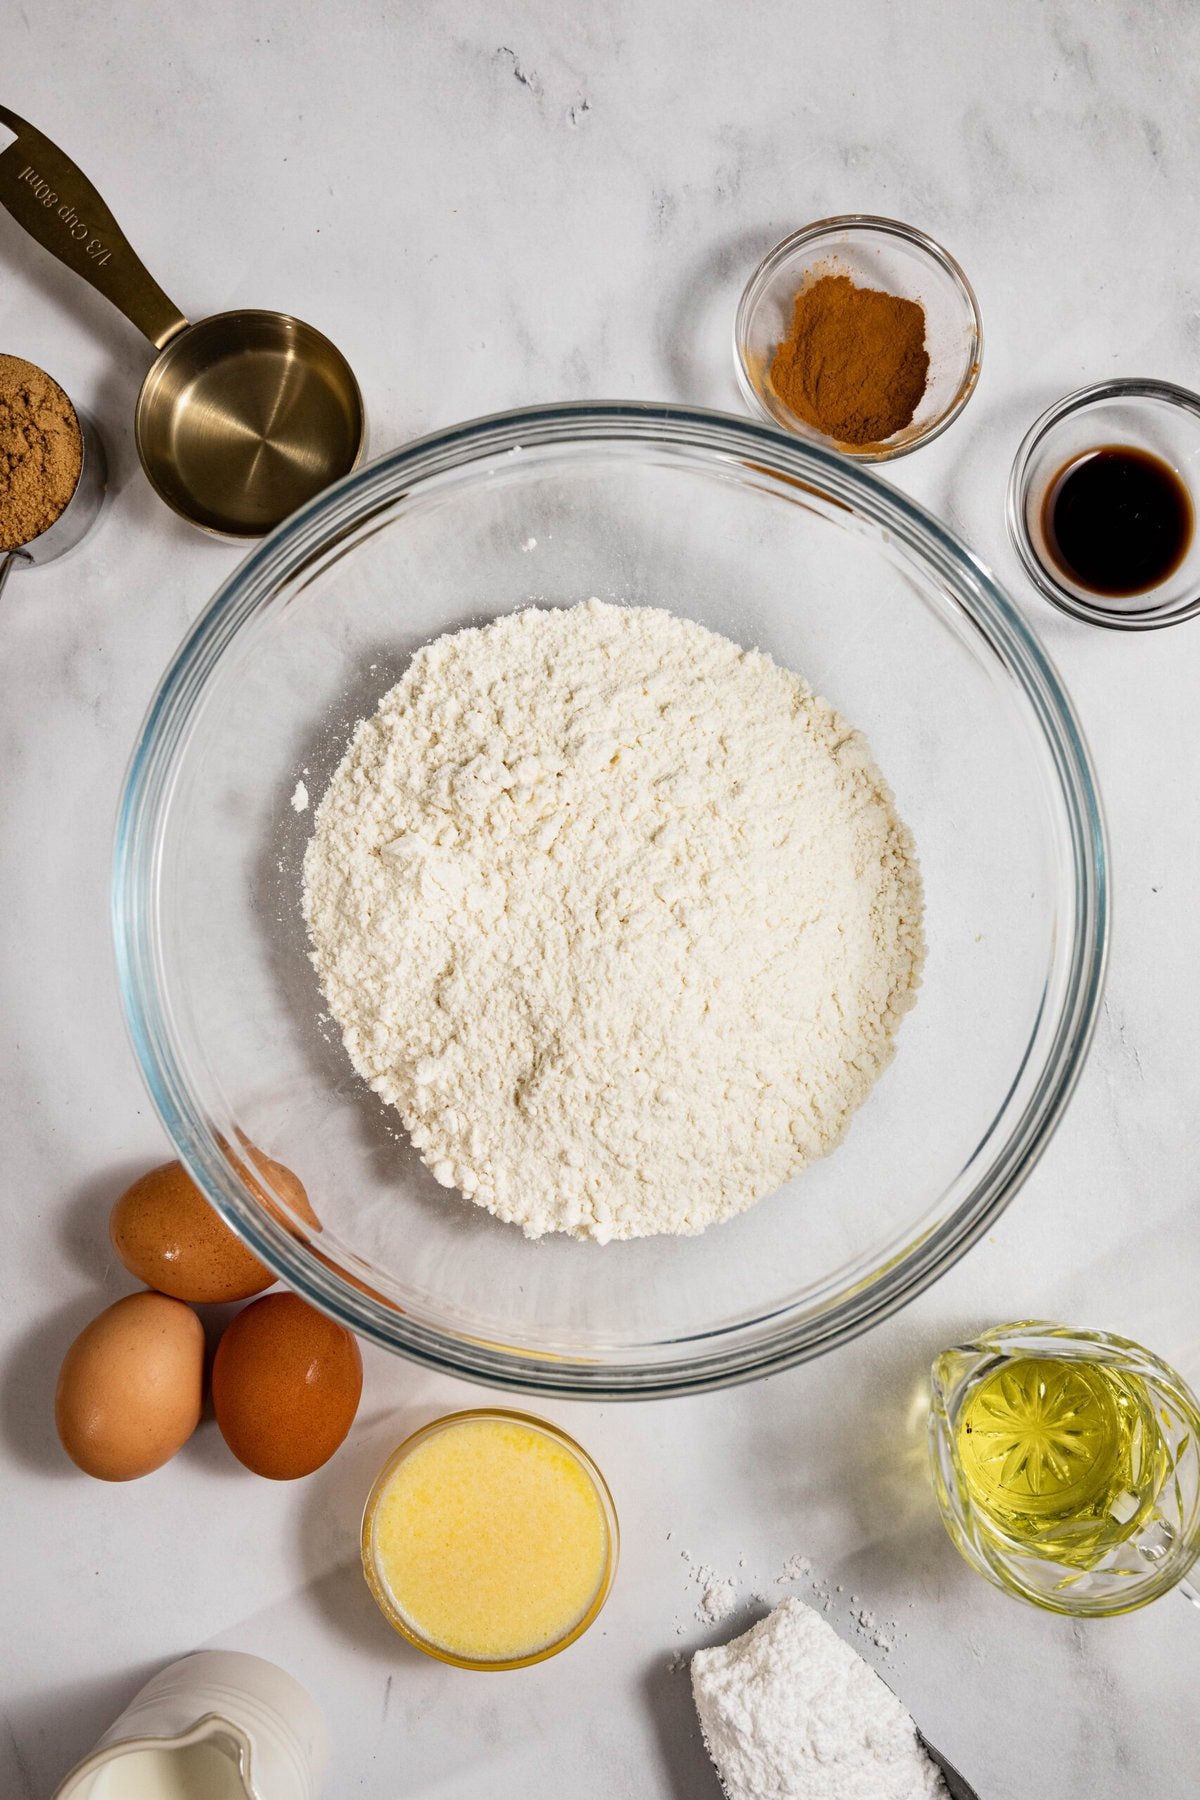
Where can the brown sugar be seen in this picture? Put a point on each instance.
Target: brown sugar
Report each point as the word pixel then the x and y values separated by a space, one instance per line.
pixel 854 364
pixel 41 451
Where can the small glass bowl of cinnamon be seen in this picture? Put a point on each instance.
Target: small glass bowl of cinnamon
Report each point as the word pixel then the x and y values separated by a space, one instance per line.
pixel 861 334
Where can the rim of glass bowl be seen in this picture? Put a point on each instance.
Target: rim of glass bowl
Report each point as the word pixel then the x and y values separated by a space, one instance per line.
pixel 704 1359
pixel 883 227
pixel 1131 387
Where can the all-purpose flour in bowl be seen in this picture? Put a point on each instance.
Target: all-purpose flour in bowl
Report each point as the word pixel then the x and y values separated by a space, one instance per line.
pixel 619 915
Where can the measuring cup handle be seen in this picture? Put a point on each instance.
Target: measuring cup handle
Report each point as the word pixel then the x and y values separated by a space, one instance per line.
pixel 8 562
pixel 59 207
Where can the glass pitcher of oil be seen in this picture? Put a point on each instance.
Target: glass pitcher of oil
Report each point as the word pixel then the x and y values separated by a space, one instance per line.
pixel 1067 1467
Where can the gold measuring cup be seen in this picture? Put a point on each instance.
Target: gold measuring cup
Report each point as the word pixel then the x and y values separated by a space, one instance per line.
pixel 243 415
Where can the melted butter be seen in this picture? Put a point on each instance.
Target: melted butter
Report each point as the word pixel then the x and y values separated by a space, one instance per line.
pixel 491 1539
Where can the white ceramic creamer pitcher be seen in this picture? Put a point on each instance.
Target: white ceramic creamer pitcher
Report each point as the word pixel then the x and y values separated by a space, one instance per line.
pixel 218 1725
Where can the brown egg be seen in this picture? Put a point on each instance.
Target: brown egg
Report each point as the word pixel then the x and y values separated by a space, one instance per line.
pixel 131 1387
pixel 287 1185
pixel 167 1234
pixel 285 1383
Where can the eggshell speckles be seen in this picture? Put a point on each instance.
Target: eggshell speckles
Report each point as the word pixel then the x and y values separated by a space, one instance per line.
pixel 286 1383
pixel 131 1387
pixel 167 1235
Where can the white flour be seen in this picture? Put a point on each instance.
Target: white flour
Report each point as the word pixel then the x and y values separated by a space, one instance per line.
pixel 789 1712
pixel 618 915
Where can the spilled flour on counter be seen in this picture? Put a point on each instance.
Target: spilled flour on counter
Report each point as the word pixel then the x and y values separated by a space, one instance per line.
pixel 789 1712
pixel 717 1601
pixel 620 917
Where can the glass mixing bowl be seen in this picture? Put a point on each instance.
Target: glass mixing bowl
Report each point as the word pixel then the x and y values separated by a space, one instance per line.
pixel 776 544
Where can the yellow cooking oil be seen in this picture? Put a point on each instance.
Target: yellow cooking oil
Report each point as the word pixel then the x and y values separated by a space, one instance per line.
pixel 1064 1460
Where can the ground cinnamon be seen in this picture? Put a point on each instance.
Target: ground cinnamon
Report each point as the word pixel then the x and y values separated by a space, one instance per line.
pixel 41 451
pixel 854 365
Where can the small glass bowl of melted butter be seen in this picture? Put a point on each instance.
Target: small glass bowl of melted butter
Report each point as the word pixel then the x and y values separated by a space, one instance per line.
pixel 490 1540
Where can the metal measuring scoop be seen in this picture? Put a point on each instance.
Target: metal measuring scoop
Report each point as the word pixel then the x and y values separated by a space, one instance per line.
pixel 956 1787
pixel 243 415
pixel 76 517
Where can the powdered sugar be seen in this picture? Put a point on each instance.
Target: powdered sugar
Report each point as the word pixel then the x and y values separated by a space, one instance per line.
pixel 719 1601
pixel 789 1712
pixel 743 1588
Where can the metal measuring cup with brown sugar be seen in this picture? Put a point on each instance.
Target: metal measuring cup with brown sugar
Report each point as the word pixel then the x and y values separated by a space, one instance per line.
pixel 244 415
pixel 52 468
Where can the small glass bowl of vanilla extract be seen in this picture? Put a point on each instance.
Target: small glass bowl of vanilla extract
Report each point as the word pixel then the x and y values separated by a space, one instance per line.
pixel 1102 504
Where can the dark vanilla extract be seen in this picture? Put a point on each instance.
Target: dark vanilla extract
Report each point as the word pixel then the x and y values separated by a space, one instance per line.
pixel 1117 520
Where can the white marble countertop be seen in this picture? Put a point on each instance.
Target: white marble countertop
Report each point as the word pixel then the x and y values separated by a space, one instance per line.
pixel 486 205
